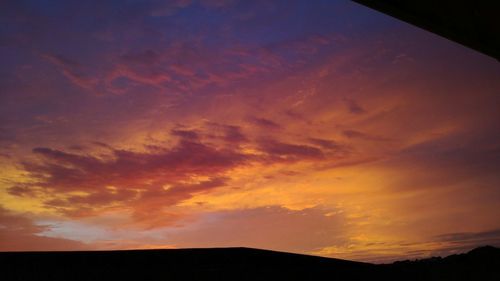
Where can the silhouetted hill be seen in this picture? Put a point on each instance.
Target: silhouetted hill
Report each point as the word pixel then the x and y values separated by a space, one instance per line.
pixel 237 264
pixel 479 264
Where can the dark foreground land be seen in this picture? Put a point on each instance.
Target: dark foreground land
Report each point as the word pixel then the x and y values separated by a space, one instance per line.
pixel 237 264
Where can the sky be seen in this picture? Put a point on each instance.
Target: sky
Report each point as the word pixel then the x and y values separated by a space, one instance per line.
pixel 314 127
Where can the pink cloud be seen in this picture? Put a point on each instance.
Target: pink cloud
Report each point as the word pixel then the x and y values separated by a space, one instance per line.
pixel 73 71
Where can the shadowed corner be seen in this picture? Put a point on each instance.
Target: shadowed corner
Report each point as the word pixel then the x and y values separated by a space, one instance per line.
pixel 474 24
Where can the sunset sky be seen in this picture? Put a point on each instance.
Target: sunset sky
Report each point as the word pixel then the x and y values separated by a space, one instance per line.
pixel 316 127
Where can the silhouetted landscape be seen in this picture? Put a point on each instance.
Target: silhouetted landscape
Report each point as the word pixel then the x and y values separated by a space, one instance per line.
pixel 238 264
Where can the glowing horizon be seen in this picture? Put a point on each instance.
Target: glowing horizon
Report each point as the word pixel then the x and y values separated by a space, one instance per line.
pixel 316 127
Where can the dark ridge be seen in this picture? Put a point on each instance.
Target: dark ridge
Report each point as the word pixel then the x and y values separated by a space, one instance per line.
pixel 482 263
pixel 237 264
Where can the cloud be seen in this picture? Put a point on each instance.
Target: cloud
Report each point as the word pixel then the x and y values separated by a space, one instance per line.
pixel 353 134
pixel 19 233
pixel 468 240
pixel 264 123
pixel 233 134
pixel 327 144
pixel 162 8
pixel 77 183
pixel 128 178
pixel 353 106
pixel 72 70
pixel 178 65
pixel 4 155
pixel 157 199
pixel 286 151
pixel 185 134
pixel 465 160
pixel 74 171
pixel 147 57
pixel 190 65
pixel 229 133
pixel 20 189
pixel 218 3
pixel 149 76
